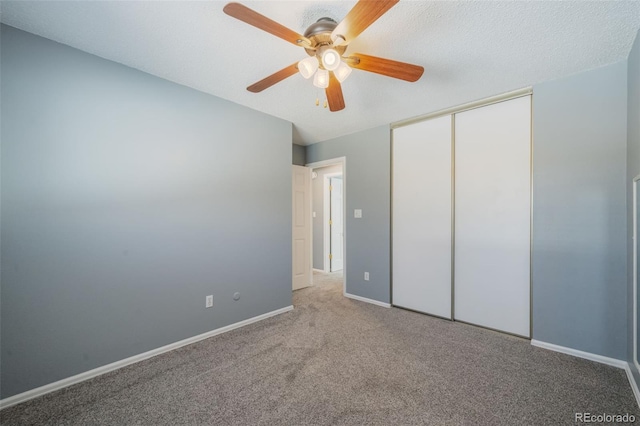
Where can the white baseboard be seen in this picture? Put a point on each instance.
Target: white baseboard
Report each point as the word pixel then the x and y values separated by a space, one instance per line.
pixel 580 354
pixel 33 393
pixel 634 385
pixel 593 357
pixel 364 299
pixel 318 270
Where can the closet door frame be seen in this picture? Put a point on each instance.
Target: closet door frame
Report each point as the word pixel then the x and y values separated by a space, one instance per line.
pixel 527 91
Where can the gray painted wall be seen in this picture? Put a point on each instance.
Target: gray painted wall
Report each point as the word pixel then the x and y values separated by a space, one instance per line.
pixel 299 154
pixel 317 188
pixel 579 211
pixel 126 199
pixel 633 170
pixel 368 187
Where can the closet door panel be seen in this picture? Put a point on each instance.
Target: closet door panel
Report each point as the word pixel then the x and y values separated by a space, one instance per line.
pixel 492 216
pixel 422 217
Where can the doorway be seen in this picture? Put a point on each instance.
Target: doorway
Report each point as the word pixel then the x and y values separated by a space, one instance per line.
pixel 329 233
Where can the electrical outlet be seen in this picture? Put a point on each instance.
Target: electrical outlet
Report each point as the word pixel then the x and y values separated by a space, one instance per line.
pixel 366 276
pixel 357 213
pixel 209 301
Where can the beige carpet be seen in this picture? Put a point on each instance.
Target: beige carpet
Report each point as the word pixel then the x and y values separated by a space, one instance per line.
pixel 335 361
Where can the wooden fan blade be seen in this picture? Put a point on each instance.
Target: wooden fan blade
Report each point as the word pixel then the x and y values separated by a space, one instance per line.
pixel 274 78
pixel 363 14
pixel 388 67
pixel 334 94
pixel 251 17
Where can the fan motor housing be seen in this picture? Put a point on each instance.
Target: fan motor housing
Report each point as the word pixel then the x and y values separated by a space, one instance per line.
pixel 319 33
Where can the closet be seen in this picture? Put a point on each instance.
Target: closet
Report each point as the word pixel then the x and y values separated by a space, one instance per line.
pixel 461 219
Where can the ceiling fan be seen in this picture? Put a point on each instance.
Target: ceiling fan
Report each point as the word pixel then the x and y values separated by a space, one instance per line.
pixel 326 42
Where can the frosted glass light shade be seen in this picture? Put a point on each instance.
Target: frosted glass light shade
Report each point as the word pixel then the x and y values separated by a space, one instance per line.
pixel 330 59
pixel 321 79
pixel 308 66
pixel 342 72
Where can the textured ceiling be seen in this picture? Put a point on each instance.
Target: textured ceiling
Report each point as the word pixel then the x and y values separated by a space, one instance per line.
pixel 469 50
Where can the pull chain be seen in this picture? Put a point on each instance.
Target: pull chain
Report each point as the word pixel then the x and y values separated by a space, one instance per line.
pixel 324 104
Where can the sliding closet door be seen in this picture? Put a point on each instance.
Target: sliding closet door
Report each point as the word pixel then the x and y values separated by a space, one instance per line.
pixel 422 217
pixel 492 217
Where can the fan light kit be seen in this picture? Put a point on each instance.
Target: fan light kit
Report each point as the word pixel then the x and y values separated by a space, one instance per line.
pixel 326 42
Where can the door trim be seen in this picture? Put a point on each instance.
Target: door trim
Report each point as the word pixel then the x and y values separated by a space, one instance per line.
pixel 326 230
pixel 635 272
pixel 341 161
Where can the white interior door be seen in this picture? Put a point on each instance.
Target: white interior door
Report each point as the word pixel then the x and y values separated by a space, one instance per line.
pixel 301 194
pixel 492 216
pixel 422 217
pixel 337 228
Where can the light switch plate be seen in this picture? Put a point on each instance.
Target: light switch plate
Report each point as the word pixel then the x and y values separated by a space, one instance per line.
pixel 357 213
